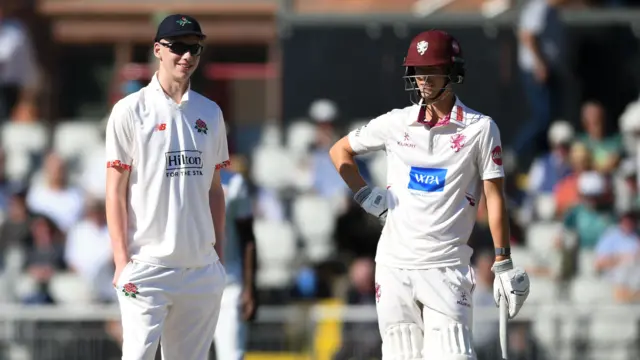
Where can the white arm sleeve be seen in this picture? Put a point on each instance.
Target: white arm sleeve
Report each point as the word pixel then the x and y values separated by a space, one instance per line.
pixel 222 148
pixel 120 138
pixel 370 137
pixel 532 17
pixel 490 152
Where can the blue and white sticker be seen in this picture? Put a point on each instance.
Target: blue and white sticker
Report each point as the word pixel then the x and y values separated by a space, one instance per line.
pixel 427 179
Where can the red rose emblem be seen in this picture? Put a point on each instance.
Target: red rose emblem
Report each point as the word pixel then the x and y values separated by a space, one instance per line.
pixel 201 126
pixel 130 289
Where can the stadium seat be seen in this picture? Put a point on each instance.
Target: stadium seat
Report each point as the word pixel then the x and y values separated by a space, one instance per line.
pixel 301 134
pixel 25 286
pixel 20 142
pixel 24 137
pixel 72 138
pixel 612 337
pixel 277 251
pixel 18 164
pixel 272 167
pixel 69 288
pixel 544 290
pixel 545 207
pixel 523 256
pixel 271 136
pixel 540 236
pixel 586 265
pixel 314 219
pixel 591 291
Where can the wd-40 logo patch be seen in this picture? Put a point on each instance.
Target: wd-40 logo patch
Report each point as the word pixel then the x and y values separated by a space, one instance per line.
pixel 183 163
pixel 427 179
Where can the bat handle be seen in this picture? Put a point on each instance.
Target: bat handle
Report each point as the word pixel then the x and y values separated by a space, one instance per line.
pixel 504 317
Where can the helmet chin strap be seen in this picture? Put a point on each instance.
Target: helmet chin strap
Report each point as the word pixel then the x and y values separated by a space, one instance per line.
pixel 438 97
pixel 428 103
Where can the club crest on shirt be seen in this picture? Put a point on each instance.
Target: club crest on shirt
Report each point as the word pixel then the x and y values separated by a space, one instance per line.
pixel 457 142
pixel 378 292
pixel 201 126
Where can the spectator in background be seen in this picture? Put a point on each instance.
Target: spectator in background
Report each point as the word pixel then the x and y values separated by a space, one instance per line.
pixel 19 80
pixel 548 170
pixel 619 246
pixel 629 126
pixel 361 340
pixel 566 191
pixel 44 258
pixel 592 216
pixel 326 181
pixel 625 187
pixel 584 224
pixel 88 252
pixel 15 230
pixel 542 40
pixel 605 150
pixel 54 197
pixel 6 186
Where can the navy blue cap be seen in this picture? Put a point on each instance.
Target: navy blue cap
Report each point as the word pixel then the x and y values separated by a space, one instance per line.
pixel 178 25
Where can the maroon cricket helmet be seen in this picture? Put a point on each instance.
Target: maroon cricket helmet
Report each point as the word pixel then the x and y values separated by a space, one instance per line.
pixel 433 48
pixel 436 48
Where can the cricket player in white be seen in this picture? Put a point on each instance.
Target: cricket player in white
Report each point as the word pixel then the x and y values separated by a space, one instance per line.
pixel 441 157
pixel 239 299
pixel 165 204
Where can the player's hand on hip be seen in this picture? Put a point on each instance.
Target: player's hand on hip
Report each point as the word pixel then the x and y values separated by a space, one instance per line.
pixel 373 201
pixel 510 283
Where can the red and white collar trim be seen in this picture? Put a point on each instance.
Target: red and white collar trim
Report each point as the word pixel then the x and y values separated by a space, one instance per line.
pixel 458 110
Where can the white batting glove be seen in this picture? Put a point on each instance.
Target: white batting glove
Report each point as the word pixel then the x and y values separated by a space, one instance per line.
pixel 373 201
pixel 512 283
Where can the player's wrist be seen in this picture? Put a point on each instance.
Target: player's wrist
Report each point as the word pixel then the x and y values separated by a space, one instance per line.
pixel 500 266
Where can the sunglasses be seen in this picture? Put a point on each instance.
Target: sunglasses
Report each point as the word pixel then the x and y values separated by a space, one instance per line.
pixel 180 48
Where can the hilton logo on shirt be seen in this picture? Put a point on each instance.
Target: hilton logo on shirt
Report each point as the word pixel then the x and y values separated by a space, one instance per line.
pixel 183 163
pixel 427 179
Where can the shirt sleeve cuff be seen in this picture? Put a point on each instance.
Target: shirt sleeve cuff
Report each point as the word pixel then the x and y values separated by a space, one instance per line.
pixel 224 164
pixel 492 175
pixel 117 164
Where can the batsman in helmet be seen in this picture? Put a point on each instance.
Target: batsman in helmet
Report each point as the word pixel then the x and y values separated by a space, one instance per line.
pixel 442 156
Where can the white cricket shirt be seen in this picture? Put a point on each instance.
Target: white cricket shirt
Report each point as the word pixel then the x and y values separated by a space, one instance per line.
pixel 172 151
pixel 434 182
pixel 239 206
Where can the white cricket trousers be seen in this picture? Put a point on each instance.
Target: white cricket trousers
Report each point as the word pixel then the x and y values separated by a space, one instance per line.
pixel 231 336
pixel 178 305
pixel 425 314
